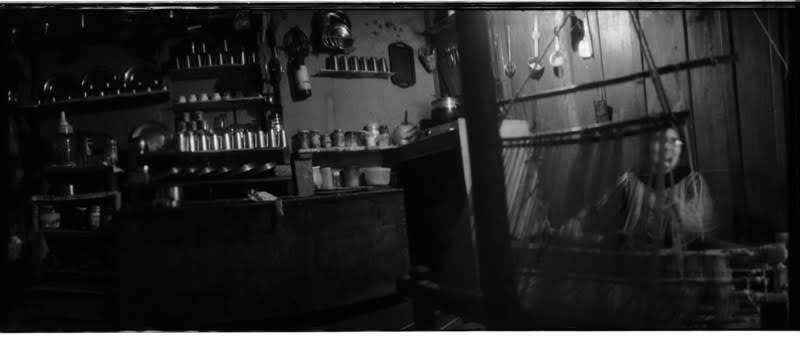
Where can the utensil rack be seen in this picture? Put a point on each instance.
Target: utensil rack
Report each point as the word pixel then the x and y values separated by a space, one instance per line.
pixel 212 71
pixel 599 131
pixel 77 106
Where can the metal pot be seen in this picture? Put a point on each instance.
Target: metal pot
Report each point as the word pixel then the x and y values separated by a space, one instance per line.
pixel 446 109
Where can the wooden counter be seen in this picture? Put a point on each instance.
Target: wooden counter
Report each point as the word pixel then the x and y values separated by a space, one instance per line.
pixel 211 266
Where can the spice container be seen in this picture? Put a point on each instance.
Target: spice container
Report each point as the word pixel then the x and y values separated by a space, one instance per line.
pixel 326 140
pixel 301 140
pixel 337 138
pixel 371 132
pixel 314 139
pixel 49 217
pixel 94 217
pixel 351 139
pixel 383 138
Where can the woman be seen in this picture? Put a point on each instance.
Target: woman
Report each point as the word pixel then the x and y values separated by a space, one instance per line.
pixel 660 207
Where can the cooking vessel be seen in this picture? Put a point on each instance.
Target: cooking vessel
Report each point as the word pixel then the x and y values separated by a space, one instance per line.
pixel 142 76
pixel 445 109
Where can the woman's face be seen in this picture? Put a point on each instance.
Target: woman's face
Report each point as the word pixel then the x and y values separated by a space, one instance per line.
pixel 665 151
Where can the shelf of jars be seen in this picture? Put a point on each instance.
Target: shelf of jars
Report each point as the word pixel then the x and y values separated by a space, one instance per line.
pixel 92 104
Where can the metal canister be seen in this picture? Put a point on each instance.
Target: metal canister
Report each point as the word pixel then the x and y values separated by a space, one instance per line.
pixel 238 139
pixel 215 142
pixel 314 140
pixel 262 139
pixel 250 139
pixel 272 138
pixel 338 138
pixel 281 138
pixel 301 140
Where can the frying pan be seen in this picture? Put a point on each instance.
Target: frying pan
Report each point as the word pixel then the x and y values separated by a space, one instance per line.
pixel 142 76
pixel 59 87
pixel 95 81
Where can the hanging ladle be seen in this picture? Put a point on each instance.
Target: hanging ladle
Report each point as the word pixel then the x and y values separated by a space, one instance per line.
pixel 535 62
pixel 510 69
pixel 557 57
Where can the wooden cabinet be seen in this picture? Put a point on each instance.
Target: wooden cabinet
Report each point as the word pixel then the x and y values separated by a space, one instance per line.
pixel 230 265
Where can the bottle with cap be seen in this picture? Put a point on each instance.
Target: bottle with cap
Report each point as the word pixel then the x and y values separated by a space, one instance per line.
pixel 64 143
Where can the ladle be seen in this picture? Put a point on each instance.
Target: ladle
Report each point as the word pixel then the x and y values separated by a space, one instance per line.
pixel 510 69
pixel 535 62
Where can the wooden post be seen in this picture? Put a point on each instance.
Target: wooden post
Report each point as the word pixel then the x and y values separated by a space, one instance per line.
pixel 488 190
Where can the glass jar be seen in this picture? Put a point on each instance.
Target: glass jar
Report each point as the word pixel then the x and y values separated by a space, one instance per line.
pixel 49 217
pixel 301 140
pixel 337 138
pixel 351 138
pixel 314 140
pixel 94 217
pixel 371 132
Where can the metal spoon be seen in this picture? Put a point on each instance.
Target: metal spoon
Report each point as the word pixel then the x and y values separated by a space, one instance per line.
pixel 510 69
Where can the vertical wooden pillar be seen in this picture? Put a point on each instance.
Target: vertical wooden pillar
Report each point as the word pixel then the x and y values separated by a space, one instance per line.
pixel 488 189
pixel 792 123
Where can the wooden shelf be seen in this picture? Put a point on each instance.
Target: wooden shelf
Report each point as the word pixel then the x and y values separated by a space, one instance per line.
pixel 227 104
pixel 98 103
pixel 76 197
pixel 352 74
pixel 231 181
pixel 211 72
pixel 173 154
pixel 347 150
pixel 72 233
pixel 177 156
pixel 66 170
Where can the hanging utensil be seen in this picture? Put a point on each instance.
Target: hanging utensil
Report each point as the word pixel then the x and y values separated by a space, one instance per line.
pixel 557 57
pixel 585 46
pixel 510 69
pixel 535 62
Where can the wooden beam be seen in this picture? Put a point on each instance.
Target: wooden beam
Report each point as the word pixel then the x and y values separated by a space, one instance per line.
pixel 626 78
pixel 491 222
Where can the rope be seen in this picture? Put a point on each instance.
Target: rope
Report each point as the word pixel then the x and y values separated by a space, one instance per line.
pixel 772 43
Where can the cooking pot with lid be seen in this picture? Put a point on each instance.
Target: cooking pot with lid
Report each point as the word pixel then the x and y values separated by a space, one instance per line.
pixel 445 109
